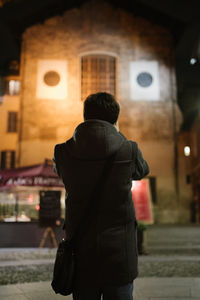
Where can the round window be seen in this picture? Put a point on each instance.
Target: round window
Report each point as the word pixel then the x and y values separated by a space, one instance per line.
pixel 144 79
pixel 51 78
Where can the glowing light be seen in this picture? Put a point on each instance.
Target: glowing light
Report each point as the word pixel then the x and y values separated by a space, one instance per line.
pixel 30 198
pixel 187 151
pixel 58 222
pixel 136 185
pixel 193 61
pixel 37 207
pixel 14 87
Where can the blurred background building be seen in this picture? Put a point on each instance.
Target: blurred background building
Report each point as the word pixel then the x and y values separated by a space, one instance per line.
pixel 55 53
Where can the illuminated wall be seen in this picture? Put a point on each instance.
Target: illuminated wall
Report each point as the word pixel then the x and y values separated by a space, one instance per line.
pixel 145 87
pixel 9 127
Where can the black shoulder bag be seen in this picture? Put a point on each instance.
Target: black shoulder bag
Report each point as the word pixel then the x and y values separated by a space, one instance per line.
pixel 63 273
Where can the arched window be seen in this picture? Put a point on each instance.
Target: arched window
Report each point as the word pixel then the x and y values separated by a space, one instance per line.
pixel 98 74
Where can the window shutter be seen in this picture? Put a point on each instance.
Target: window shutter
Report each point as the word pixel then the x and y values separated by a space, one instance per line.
pixel 3 160
pixel 12 162
pixel 98 75
pixel 12 121
pixel 7 159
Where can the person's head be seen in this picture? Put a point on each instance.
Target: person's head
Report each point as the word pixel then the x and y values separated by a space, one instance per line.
pixel 101 106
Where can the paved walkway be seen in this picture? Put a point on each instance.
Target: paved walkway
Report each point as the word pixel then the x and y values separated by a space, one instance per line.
pixel 145 289
pixel 168 246
pixel 27 262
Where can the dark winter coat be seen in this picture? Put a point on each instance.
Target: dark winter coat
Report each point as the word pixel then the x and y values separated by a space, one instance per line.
pixel 106 252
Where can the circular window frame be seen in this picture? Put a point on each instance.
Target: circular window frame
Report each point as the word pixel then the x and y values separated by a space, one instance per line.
pixel 51 78
pixel 144 79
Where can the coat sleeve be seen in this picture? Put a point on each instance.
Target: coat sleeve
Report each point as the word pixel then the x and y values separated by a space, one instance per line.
pixel 55 160
pixel 140 168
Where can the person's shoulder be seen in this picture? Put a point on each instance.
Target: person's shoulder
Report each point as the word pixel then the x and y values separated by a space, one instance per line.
pixel 133 144
pixel 127 140
pixel 62 146
pixel 129 143
pixel 58 146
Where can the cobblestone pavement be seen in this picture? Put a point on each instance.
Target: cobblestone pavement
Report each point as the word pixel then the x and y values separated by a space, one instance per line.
pixel 173 240
pixel 170 270
pixel 145 289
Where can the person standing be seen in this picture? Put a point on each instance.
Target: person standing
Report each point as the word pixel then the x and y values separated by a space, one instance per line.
pixel 106 258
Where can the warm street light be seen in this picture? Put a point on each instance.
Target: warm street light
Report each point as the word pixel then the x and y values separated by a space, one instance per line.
pixel 187 151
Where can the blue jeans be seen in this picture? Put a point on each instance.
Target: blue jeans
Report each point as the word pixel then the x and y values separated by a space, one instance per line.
pixel 109 293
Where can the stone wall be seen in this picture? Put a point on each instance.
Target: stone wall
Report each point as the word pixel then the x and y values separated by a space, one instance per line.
pixel 8 140
pixel 101 28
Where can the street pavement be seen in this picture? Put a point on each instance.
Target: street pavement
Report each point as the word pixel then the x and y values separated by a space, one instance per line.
pixel 145 289
pixel 168 248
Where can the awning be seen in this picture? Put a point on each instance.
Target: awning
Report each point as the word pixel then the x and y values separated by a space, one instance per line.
pixel 35 175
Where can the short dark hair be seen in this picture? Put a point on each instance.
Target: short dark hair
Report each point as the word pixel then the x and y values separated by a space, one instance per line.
pixel 101 106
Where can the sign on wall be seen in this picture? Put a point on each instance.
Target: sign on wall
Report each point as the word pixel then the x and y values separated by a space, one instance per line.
pixel 51 79
pixel 144 80
pixel 142 201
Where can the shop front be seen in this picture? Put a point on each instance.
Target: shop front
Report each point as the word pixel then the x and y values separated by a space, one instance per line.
pixel 21 193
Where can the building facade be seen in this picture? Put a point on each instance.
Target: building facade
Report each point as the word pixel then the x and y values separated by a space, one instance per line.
pixel 9 120
pixel 94 48
pixel 191 138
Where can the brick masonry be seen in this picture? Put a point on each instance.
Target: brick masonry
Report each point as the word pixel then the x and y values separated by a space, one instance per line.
pixel 101 28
